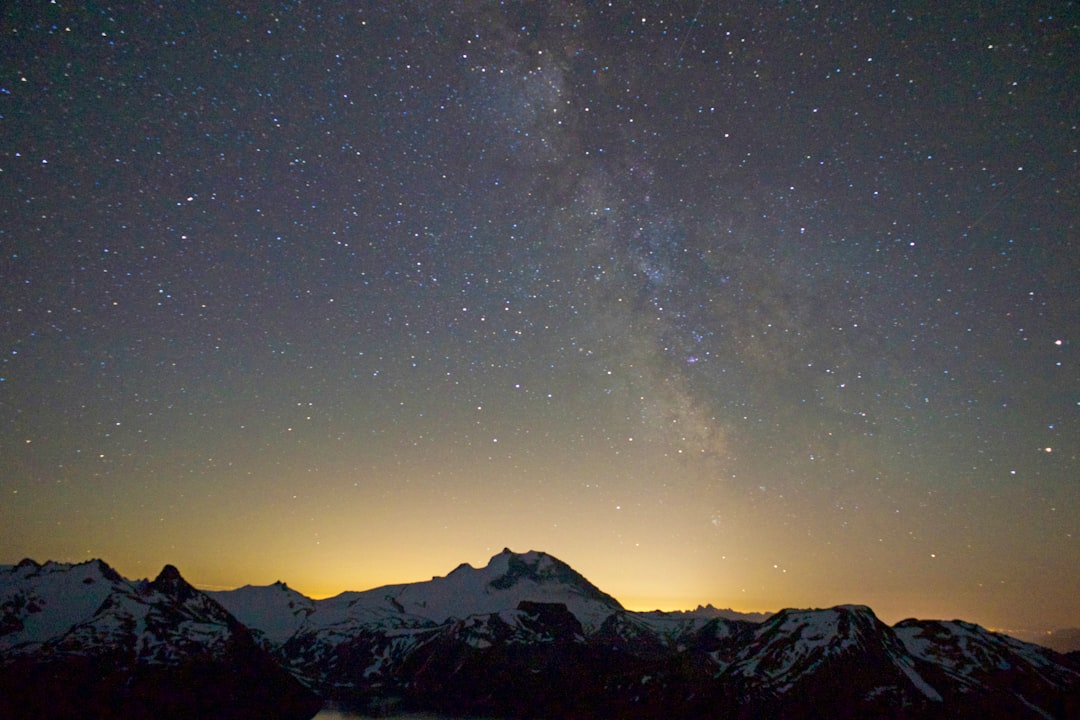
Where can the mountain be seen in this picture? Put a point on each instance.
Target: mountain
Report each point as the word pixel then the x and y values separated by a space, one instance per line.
pixel 275 612
pixel 369 634
pixel 708 611
pixel 527 635
pixel 80 641
pixel 506 580
pixel 995 673
pixel 524 636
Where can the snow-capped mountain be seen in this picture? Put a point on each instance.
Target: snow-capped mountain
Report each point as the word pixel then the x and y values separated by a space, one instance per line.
pixel 793 644
pixel 524 636
pixel 844 653
pixel 61 609
pixel 437 645
pixel 994 671
pixel 505 581
pixel 81 641
pixel 42 603
pixel 328 642
pixel 275 612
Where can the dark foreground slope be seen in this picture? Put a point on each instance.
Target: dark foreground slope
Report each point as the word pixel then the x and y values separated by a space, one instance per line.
pixel 841 662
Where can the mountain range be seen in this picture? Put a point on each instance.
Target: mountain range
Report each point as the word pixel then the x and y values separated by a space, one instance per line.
pixel 524 636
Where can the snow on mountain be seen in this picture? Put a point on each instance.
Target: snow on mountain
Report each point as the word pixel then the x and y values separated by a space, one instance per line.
pixel 530 623
pixel 794 641
pixel 507 580
pixel 43 602
pixel 278 612
pixel 525 632
pixel 70 608
pixel 973 655
pixel 368 634
pixel 682 627
pixel 275 611
pixel 502 584
pixel 81 641
pixel 169 619
pixel 795 644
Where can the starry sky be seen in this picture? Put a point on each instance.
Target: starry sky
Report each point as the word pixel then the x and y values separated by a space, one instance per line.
pixel 754 304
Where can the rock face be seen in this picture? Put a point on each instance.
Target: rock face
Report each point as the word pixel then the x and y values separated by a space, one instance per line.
pixel 524 636
pixel 79 641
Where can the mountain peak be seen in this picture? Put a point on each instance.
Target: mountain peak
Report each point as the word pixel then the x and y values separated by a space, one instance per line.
pixel 169 573
pixel 462 568
pixel 506 580
pixel 102 567
pixel 170 582
pixel 537 567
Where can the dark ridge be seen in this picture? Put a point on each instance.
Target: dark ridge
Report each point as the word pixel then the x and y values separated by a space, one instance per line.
pixel 463 567
pixel 169 573
pixel 108 572
pixel 170 582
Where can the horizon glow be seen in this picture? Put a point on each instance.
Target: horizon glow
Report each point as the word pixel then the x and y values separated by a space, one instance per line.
pixel 761 308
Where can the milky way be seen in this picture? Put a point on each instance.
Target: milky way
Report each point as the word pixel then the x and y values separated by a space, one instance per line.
pixel 761 306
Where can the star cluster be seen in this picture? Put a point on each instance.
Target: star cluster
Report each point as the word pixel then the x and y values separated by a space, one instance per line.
pixel 757 305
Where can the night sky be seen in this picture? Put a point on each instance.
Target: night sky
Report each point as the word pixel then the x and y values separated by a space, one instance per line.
pixel 753 304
